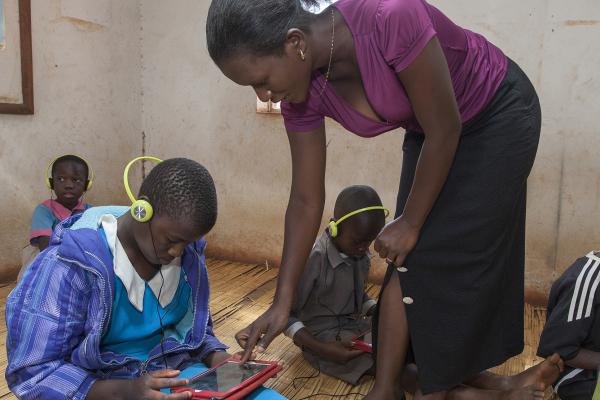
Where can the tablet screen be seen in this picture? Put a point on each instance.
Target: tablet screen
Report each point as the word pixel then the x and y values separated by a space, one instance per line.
pixel 226 377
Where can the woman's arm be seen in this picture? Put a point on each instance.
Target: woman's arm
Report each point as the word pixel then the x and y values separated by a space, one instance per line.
pixel 302 221
pixel 429 87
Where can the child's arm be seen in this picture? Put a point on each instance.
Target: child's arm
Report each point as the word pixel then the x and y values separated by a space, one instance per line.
pixel 212 351
pixel 585 359
pixel 41 227
pixel 307 282
pixel 145 387
pixel 45 316
pixel 336 351
pixel 42 242
pixel 569 322
pixel 368 305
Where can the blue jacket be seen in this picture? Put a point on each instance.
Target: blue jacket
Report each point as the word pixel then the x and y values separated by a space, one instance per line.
pixel 59 311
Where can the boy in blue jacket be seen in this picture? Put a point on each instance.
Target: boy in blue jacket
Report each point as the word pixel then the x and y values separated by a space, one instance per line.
pixel 118 304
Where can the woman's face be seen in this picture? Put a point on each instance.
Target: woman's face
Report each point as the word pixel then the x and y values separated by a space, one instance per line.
pixel 277 77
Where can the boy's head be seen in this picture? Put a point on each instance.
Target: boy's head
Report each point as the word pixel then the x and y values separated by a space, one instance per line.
pixel 356 233
pixel 69 179
pixel 184 200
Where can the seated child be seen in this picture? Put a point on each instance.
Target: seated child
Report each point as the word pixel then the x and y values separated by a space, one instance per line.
pixel 116 306
pixel 573 329
pixel 331 307
pixel 69 177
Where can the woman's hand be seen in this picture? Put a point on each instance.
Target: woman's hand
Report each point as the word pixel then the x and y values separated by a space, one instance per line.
pixel 261 332
pixel 396 240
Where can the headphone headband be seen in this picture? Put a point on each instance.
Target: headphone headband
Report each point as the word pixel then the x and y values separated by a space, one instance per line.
pixel 90 178
pixel 126 173
pixel 141 210
pixel 333 231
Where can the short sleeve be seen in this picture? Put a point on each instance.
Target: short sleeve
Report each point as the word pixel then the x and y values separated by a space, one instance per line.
pixel 42 223
pixel 404 29
pixel 566 328
pixel 300 117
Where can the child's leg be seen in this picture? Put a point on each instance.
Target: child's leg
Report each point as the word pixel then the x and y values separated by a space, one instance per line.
pixel 392 342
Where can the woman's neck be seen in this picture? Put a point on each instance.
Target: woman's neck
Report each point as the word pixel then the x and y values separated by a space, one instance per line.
pixel 343 58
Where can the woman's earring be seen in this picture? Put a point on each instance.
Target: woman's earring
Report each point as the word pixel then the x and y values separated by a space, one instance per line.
pixel 302 56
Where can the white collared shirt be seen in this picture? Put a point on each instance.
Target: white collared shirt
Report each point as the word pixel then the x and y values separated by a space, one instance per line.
pixel 133 282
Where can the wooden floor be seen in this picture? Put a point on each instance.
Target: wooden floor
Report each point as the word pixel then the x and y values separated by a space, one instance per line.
pixel 240 292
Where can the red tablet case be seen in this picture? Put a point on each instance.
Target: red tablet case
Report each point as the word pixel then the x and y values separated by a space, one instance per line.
pixel 239 391
pixel 359 344
pixel 364 346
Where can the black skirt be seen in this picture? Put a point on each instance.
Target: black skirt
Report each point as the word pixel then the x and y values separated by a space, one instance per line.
pixel 464 284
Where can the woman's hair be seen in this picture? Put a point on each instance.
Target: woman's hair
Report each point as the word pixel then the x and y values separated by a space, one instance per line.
pixel 255 26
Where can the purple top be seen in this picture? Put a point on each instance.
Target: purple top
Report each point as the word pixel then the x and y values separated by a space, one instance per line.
pixel 388 36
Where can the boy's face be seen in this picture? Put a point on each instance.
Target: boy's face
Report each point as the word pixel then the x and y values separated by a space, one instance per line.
pixel 68 182
pixel 162 239
pixel 355 238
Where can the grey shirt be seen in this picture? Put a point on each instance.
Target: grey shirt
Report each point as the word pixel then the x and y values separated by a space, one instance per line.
pixel 330 295
pixel 331 302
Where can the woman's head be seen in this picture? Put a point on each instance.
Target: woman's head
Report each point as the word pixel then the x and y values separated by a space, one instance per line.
pixel 258 27
pixel 261 43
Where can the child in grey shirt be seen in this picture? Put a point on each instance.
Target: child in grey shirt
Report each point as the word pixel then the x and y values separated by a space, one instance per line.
pixel 331 307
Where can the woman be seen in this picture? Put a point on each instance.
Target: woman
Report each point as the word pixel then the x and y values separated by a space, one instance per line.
pixel 452 299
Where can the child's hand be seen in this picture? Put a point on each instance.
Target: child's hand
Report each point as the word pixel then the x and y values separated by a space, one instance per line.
pixel 216 357
pixel 341 352
pixel 149 385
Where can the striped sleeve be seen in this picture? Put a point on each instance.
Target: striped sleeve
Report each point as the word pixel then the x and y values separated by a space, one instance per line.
pixel 573 302
pixel 45 318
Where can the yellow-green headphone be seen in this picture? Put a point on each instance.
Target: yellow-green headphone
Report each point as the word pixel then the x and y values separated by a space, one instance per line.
pixel 333 225
pixel 88 183
pixel 141 210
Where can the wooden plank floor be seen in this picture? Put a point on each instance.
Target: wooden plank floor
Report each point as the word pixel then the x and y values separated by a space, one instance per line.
pixel 240 292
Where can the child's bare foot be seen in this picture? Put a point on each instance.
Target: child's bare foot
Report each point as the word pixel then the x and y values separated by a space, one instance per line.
pixel 533 392
pixel 546 373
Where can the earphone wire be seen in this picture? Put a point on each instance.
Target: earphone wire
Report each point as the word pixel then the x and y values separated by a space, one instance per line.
pixel 160 317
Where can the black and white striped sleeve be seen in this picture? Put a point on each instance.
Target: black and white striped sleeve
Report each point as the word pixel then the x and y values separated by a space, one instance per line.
pixel 574 299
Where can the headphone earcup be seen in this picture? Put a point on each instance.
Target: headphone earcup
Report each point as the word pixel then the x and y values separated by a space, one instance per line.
pixel 141 210
pixel 88 185
pixel 50 183
pixel 333 231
